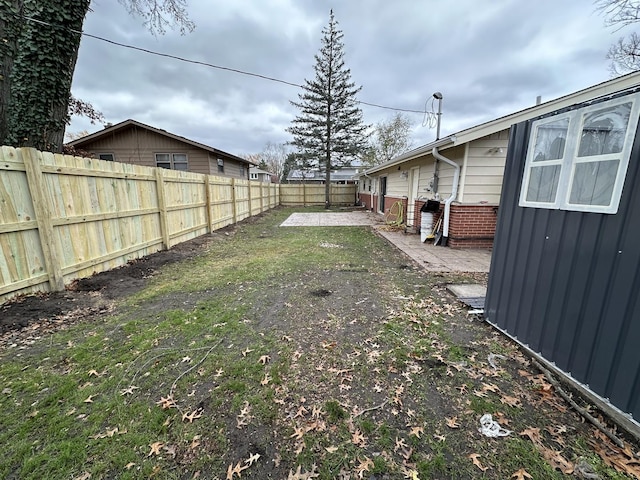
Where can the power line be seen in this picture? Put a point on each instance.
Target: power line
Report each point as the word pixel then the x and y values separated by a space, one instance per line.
pixel 206 64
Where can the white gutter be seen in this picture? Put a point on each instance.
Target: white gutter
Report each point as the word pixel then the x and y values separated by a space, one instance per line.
pixel 454 193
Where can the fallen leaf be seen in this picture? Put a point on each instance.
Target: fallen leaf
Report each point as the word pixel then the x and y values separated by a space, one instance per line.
pixel 93 373
pixel 266 379
pixel 84 476
pixel 155 448
pixel 416 431
pixel 129 465
pixel 357 438
pixel 331 449
pixel 474 458
pixel 264 359
pixel 246 351
pixel 186 359
pixel 170 450
pixel 129 391
pixel 452 422
pixel 192 416
pixel 166 402
pixel 521 474
pixel 89 399
pixel 364 466
pixel 252 459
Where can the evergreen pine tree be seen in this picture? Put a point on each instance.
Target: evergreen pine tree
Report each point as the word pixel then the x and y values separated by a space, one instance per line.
pixel 329 132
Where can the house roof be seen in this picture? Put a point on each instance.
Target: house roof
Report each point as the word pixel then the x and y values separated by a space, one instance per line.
pixel 258 170
pixel 109 130
pixel 315 175
pixel 502 123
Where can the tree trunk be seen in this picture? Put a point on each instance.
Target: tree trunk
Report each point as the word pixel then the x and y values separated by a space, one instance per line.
pixel 10 26
pixel 35 94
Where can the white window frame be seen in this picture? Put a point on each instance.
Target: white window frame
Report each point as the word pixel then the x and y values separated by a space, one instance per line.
pixel 570 158
pixel 172 162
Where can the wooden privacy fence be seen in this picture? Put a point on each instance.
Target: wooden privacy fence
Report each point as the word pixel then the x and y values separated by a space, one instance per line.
pixel 301 194
pixel 64 217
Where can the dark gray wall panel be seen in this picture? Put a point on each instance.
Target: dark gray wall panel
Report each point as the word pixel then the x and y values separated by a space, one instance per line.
pixel 559 284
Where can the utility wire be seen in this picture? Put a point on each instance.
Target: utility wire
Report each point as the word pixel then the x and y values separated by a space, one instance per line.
pixel 206 64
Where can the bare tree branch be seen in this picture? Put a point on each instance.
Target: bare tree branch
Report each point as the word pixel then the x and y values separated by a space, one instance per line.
pixel 160 14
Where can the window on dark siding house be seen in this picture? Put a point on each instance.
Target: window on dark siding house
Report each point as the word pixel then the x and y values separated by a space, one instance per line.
pixel 172 161
pixel 578 160
pixel 220 165
pixel 106 156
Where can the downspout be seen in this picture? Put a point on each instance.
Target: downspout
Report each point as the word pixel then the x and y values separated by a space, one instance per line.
pixel 454 193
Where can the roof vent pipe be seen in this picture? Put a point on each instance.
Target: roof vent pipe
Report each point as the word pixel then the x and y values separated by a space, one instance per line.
pixel 454 194
pixel 538 99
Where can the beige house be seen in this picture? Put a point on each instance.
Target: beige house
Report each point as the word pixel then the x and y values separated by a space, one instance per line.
pixel 134 142
pixel 463 172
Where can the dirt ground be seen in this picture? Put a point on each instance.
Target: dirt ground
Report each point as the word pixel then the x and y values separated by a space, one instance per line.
pixel 349 343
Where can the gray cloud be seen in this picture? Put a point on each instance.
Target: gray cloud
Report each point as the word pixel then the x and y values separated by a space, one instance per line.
pixel 487 58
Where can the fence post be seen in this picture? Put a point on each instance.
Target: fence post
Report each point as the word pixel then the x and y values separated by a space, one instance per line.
pixel 261 198
pixel 38 190
pixel 234 207
pixel 207 192
pixel 162 206
pixel 250 203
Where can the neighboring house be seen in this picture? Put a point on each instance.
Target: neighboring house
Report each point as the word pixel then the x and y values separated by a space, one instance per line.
pixel 476 158
pixel 134 142
pixel 260 175
pixel 565 269
pixel 342 176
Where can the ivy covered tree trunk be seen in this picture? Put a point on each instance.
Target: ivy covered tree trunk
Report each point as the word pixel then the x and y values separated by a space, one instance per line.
pixel 38 56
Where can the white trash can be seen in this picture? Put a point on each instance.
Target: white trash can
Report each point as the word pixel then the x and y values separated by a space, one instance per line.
pixel 426 225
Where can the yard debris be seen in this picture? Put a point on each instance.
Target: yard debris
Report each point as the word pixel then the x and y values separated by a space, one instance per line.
pixel 490 428
pixel 491 358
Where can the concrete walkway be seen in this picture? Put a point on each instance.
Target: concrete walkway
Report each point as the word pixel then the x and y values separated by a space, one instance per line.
pixel 439 259
pixel 428 256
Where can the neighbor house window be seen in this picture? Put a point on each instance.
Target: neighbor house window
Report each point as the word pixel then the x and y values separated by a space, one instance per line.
pixel 220 165
pixel 173 161
pixel 254 176
pixel 578 160
pixel 106 156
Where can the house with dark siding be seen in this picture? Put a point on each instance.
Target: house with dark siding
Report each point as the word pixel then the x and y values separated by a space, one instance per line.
pixel 134 142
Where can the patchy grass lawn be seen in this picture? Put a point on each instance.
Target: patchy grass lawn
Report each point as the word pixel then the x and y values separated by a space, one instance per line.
pixel 285 353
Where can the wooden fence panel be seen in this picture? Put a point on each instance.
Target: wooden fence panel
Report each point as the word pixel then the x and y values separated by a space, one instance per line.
pixel 24 266
pixel 300 194
pixel 221 201
pixel 65 217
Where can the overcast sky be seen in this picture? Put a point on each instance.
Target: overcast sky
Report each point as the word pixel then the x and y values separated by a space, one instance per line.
pixel 489 58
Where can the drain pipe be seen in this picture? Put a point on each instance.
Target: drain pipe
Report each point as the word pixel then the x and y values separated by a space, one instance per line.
pixel 454 193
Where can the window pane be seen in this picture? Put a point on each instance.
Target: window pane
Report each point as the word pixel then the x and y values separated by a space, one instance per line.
pixel 550 140
pixel 604 131
pixel 163 157
pixel 543 184
pixel 163 165
pixel 179 158
pixel 593 182
pixel 106 156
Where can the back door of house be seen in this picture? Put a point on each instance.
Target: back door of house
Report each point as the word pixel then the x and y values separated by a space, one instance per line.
pixel 383 192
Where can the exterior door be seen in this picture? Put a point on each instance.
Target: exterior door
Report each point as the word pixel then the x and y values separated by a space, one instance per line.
pixel 383 192
pixel 414 179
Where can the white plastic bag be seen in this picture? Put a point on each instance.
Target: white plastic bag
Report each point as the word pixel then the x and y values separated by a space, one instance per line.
pixel 490 428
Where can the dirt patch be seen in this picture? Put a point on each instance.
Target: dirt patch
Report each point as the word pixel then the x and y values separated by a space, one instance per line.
pixel 94 295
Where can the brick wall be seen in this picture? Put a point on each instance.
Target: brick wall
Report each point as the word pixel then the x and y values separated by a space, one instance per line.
pixel 470 226
pixel 389 202
pixel 368 200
